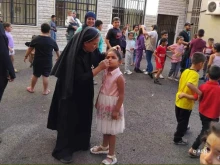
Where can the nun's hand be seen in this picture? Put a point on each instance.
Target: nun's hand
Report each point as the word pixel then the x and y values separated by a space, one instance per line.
pixel 117 47
pixel 104 64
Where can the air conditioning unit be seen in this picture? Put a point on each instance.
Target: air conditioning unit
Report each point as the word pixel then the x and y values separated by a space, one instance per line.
pixel 213 7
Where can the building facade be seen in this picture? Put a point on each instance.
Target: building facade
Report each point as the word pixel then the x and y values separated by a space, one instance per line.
pixel 27 15
pixel 171 16
pixel 197 14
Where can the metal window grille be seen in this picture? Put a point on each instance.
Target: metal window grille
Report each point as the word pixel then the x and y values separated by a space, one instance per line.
pixel 80 6
pixel 20 12
pixel 167 23
pixel 129 11
pixel 195 16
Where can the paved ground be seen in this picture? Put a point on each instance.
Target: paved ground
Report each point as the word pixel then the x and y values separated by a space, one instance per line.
pixel 150 123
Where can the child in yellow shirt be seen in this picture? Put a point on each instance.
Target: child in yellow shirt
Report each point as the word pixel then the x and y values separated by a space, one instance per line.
pixel 188 85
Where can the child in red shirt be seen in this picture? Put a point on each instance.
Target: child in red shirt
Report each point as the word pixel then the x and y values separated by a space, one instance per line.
pixel 160 56
pixel 209 106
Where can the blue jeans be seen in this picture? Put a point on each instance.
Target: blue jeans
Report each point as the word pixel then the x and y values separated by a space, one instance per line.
pixel 149 63
pixel 53 35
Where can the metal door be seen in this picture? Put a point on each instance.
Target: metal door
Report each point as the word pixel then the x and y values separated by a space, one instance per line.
pixel 129 11
pixel 168 23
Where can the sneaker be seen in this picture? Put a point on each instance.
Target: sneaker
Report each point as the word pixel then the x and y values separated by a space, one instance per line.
pixel 161 76
pixel 175 79
pixel 128 72
pixel 138 70
pixel 194 153
pixel 151 75
pixel 145 72
pixel 170 78
pixel 66 160
pixel 182 142
pixel 156 81
pixel 16 71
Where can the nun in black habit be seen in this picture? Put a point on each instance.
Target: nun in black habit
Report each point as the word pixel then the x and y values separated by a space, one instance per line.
pixel 72 104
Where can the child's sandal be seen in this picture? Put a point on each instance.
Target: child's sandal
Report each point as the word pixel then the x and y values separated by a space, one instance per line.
pixel 107 162
pixel 195 154
pixel 99 150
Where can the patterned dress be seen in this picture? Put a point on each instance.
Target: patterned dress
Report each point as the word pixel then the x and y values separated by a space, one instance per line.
pixel 106 102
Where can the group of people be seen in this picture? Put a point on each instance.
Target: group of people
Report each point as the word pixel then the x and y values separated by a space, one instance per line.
pixel 83 58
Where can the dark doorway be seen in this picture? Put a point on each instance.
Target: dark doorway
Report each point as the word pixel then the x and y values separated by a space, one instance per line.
pixel 129 11
pixel 168 23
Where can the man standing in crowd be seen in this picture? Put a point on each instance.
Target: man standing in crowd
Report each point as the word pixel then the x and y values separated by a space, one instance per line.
pixel 150 43
pixel 7 72
pixel 53 27
pixel 186 35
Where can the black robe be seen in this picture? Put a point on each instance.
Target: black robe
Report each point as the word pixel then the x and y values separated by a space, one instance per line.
pixel 72 116
pixel 6 67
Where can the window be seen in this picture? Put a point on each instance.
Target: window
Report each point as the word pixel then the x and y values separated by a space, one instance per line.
pixel 80 6
pixel 129 11
pixel 20 12
pixel 195 16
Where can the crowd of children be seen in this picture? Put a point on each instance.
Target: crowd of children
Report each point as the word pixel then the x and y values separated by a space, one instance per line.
pixel 109 105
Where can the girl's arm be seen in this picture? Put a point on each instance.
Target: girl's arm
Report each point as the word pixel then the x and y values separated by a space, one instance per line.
pixel 211 60
pixel 171 48
pixel 169 56
pixel 204 50
pixel 155 54
pixel 142 43
pixel 121 91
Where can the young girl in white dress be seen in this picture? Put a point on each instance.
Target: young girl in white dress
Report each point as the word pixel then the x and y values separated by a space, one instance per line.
pixel 110 110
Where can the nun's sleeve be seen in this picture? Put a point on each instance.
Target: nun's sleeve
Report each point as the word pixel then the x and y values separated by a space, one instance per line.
pixel 82 77
pixel 5 58
pixel 97 57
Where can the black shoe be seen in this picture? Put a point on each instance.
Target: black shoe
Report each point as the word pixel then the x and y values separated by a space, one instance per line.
pixel 151 75
pixel 137 70
pixel 0 140
pixel 202 78
pixel 66 160
pixel 156 81
pixel 182 142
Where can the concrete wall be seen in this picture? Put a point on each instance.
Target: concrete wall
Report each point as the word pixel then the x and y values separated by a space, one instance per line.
pixel 23 33
pixel 169 7
pixel 189 11
pixel 210 23
pixel 104 13
pixel 175 8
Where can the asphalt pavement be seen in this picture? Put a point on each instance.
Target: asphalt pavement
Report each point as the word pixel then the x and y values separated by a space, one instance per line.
pixel 149 114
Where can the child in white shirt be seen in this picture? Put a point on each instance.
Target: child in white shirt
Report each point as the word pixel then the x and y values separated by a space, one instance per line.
pixel 130 46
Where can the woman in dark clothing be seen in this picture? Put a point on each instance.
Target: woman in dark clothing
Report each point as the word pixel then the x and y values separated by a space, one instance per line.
pixel 72 104
pixel 6 68
pixel 7 72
